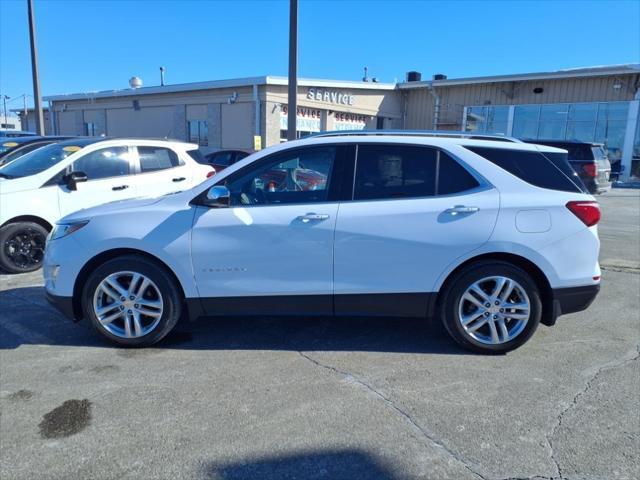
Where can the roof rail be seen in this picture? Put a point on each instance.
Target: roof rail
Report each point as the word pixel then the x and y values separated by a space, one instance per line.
pixel 417 133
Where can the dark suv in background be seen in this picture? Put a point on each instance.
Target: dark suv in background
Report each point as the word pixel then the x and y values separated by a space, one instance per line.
pixel 589 160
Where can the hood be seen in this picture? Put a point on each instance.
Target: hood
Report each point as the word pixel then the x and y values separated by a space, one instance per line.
pixel 12 185
pixel 112 207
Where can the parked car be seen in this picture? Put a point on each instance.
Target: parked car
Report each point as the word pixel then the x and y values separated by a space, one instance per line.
pixel 10 149
pixel 224 158
pixel 491 237
pixel 39 187
pixel 15 133
pixel 589 160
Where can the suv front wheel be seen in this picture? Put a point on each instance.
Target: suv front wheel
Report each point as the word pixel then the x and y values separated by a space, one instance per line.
pixel 132 301
pixel 491 307
pixel 22 247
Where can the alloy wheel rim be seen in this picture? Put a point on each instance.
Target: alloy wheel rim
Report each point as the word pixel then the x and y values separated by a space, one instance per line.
pixel 25 248
pixel 494 310
pixel 128 304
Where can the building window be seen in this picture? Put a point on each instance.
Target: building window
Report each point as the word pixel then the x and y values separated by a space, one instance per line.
pixel 598 122
pixel 90 129
pixel 488 119
pixel 198 132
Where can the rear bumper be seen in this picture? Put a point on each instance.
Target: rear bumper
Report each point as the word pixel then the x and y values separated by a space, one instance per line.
pixel 574 299
pixel 63 304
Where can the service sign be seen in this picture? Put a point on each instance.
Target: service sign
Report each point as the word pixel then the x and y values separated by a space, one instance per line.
pixel 307 119
pixel 331 96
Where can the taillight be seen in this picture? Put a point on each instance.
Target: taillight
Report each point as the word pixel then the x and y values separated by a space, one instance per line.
pixel 587 212
pixel 211 173
pixel 591 169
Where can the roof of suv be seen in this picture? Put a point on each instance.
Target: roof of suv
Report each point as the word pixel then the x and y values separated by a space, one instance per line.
pixel 417 138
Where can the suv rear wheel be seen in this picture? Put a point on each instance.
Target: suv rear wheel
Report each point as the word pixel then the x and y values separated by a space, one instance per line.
pixel 491 307
pixel 131 301
pixel 22 246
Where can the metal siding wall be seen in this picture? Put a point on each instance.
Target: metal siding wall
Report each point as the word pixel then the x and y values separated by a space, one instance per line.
pixel 454 98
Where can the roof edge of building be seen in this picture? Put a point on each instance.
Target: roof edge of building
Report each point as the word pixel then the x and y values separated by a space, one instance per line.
pixel 599 71
pixel 228 83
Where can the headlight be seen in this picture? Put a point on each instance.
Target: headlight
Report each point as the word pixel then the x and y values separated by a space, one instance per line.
pixel 64 229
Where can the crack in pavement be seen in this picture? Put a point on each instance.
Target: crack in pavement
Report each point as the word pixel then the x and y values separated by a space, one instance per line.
pixel 391 404
pixel 620 269
pixel 631 356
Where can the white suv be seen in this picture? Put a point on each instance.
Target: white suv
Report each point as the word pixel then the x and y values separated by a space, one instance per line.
pixel 40 187
pixel 492 237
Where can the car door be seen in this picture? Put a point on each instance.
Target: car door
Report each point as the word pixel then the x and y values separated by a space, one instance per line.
pixel 274 244
pixel 415 210
pixel 160 171
pixel 109 178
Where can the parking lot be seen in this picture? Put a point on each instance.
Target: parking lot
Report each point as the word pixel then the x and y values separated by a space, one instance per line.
pixel 328 398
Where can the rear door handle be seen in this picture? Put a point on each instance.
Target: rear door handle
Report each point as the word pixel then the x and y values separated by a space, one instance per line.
pixel 461 209
pixel 314 217
pixel 178 179
pixel 120 187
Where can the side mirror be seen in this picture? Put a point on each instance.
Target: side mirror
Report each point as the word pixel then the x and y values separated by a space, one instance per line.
pixel 73 178
pixel 218 196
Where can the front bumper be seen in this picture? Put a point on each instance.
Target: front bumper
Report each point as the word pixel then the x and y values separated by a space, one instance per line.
pixel 62 304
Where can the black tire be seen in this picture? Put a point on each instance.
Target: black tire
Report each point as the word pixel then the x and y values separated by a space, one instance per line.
pixel 455 289
pixel 169 291
pixel 22 247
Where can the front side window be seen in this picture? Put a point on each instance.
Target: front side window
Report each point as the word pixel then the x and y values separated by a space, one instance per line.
pixel 104 163
pixel 301 176
pixel 153 159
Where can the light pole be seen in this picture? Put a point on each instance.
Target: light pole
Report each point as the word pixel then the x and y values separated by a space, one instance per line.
pixel 4 103
pixel 34 71
pixel 293 70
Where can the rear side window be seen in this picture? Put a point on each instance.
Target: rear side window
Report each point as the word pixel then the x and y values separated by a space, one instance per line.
pixel 394 171
pixel 401 171
pixel 153 159
pixel 197 156
pixel 545 170
pixel 452 177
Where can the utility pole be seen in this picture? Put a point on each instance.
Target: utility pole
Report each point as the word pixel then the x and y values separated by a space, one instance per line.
pixel 34 71
pixel 293 70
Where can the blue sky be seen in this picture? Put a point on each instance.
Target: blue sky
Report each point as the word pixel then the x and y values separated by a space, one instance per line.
pixel 98 45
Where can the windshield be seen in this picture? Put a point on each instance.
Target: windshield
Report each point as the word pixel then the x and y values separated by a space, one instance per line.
pixel 8 145
pixel 38 161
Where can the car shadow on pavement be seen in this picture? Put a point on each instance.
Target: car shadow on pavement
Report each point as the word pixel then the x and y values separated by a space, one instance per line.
pixel 338 464
pixel 27 318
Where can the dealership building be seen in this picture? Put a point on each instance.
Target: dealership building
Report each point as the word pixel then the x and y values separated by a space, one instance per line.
pixel 597 104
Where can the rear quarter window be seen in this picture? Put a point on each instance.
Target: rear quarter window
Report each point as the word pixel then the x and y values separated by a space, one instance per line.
pixel 545 170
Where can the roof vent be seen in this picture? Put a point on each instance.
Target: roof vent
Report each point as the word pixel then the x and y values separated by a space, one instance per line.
pixel 414 76
pixel 439 76
pixel 135 82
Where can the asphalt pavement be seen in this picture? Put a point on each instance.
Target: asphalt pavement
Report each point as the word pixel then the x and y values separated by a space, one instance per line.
pixel 343 398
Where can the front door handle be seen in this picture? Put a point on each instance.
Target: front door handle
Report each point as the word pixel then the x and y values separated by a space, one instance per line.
pixel 120 187
pixel 178 179
pixel 461 209
pixel 313 217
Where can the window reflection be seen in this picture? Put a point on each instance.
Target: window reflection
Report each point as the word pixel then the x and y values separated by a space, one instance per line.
pixel 598 122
